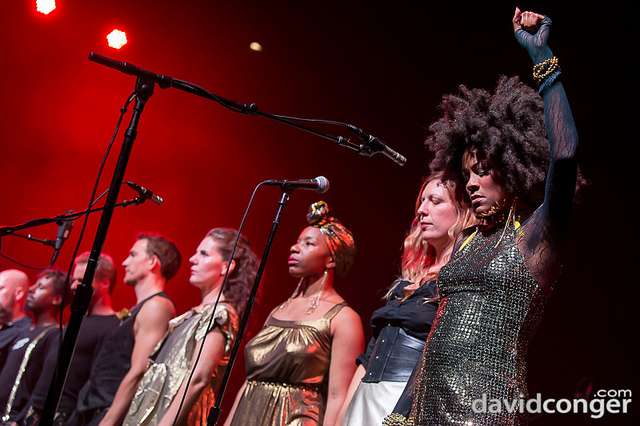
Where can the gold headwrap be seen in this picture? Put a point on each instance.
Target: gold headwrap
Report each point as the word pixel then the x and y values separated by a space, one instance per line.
pixel 339 239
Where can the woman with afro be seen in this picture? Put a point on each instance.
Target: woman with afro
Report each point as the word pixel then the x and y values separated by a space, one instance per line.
pixel 515 153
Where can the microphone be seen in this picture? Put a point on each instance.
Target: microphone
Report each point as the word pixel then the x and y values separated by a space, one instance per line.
pixel 375 145
pixel 319 184
pixel 64 229
pixel 145 194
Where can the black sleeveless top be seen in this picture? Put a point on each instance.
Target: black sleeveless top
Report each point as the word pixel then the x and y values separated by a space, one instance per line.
pixel 111 364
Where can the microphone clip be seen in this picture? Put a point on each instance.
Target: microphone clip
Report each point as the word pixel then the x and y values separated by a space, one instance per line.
pixel 374 145
pixel 144 194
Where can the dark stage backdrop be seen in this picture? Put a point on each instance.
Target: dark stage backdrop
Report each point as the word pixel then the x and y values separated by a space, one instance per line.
pixel 382 66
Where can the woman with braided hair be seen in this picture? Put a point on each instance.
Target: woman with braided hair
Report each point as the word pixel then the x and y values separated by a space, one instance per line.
pixel 495 286
pixel 300 364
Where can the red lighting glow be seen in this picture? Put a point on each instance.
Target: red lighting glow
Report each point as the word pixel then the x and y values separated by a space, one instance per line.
pixel 117 39
pixel 45 6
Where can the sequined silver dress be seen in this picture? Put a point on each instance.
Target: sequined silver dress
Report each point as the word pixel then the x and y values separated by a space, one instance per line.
pixel 494 290
pixel 475 354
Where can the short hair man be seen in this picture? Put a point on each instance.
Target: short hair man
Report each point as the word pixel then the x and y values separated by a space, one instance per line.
pixel 101 320
pixel 119 366
pixel 27 355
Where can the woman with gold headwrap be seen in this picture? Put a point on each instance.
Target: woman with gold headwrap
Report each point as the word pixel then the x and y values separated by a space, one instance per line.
pixel 300 364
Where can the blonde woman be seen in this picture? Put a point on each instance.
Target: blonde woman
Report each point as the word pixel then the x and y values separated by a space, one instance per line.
pixel 400 328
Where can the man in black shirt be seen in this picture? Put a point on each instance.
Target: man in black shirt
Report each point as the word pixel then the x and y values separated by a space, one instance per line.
pixel 122 360
pixel 101 320
pixel 27 355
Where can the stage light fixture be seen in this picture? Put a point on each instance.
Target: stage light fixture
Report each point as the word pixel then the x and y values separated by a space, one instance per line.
pixel 117 39
pixel 45 6
pixel 255 46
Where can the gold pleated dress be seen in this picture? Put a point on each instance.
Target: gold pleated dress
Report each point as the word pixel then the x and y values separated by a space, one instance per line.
pixel 287 365
pixel 170 365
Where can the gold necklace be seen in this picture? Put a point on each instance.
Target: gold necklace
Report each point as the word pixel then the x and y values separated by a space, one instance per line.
pixel 313 300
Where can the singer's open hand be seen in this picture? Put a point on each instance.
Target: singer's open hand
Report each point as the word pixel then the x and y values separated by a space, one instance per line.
pixel 528 21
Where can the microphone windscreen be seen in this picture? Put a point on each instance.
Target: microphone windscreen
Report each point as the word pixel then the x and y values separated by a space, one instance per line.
pixel 323 184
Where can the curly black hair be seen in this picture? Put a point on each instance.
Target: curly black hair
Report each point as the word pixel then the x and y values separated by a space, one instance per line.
pixel 507 126
pixel 58 283
pixel 240 280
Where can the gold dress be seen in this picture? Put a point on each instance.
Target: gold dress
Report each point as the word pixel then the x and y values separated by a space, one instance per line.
pixel 287 365
pixel 171 365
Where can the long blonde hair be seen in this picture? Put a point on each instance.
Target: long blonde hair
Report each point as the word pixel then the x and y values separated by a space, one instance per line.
pixel 417 254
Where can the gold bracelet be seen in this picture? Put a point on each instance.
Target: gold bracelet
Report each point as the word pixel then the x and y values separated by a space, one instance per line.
pixel 396 419
pixel 544 64
pixel 544 69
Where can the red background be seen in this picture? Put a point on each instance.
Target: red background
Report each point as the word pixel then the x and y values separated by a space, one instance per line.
pixel 380 66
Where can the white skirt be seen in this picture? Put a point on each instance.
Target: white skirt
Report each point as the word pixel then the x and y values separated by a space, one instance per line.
pixel 372 402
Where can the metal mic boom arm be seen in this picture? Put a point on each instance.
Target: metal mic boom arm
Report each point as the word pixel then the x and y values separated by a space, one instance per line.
pixel 368 149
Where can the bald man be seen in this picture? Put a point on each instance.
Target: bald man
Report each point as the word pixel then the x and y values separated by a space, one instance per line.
pixel 14 288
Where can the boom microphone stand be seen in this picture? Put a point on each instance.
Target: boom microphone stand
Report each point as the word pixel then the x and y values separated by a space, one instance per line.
pixel 214 412
pixel 65 223
pixel 372 145
pixel 69 216
pixel 80 305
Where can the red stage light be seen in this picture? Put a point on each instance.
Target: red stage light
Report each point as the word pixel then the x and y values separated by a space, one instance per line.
pixel 117 39
pixel 45 6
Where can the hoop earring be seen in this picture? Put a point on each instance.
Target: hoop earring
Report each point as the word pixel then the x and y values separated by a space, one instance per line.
pixel 510 217
pixel 495 208
pixel 284 304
